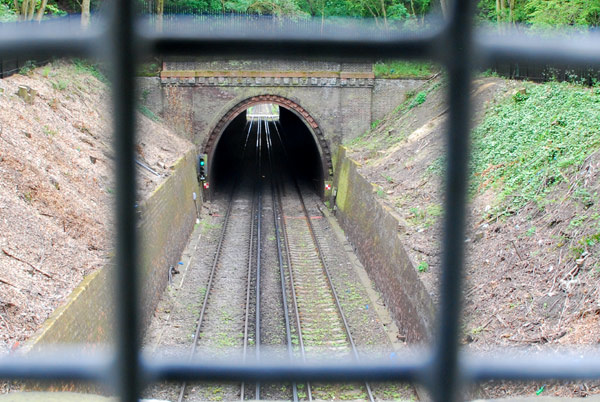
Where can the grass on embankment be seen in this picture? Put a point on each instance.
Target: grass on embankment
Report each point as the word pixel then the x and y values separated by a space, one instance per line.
pixel 533 140
pixel 404 69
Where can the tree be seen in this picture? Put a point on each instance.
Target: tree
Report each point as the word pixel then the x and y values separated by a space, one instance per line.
pixel 25 9
pixel 548 13
pixel 41 10
pixel 160 10
pixel 85 13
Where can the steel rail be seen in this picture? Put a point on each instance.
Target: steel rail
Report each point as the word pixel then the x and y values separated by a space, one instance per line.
pixel 258 252
pixel 326 271
pixel 278 239
pixel 213 269
pixel 249 279
pixel 209 285
pixel 292 287
pixel 332 287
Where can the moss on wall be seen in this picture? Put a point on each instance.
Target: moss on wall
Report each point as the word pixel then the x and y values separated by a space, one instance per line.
pixel 167 218
pixel 373 229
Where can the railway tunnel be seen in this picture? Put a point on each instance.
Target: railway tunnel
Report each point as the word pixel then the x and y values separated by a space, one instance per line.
pixel 304 149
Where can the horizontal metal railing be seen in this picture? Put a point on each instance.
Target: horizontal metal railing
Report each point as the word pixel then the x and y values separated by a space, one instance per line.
pixel 453 43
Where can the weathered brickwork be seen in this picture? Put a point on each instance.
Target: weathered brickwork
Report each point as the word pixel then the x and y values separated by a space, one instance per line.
pixel 373 229
pixel 344 99
pixel 388 94
pixel 167 218
pixel 336 96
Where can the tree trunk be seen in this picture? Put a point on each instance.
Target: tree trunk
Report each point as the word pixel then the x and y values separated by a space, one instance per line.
pixel 31 10
pixel 40 13
pixel 322 18
pixel 311 8
pixel 85 13
pixel 17 8
pixel 412 7
pixel 384 13
pixel 444 7
pixel 498 12
pixel 160 10
pixel 24 10
pixel 373 14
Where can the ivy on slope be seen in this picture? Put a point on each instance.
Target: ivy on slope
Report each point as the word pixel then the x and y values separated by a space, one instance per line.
pixel 534 140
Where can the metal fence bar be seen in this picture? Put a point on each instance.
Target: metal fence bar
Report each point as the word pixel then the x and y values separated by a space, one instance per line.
pixel 474 368
pixel 445 384
pixel 452 44
pixel 123 60
pixel 60 366
pixel 558 50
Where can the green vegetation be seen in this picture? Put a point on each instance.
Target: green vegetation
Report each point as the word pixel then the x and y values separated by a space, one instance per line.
pixel 382 135
pixel 6 13
pixel 532 141
pixel 423 266
pixel 386 13
pixel 427 216
pixel 147 112
pixel 27 68
pixel 84 66
pixel 60 85
pixel 419 99
pixel 49 132
pixel 542 13
pixel 149 69
pixel 404 69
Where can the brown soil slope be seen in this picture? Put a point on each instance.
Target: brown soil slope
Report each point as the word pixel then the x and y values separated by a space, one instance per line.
pixel 56 189
pixel 523 285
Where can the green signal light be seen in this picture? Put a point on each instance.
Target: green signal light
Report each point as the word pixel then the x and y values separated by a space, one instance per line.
pixel 202 162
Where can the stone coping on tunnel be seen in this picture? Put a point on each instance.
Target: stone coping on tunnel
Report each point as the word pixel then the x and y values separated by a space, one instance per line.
pixel 267 78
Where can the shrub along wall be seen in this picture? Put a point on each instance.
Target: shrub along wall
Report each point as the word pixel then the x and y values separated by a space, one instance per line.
pixel 167 219
pixel 373 230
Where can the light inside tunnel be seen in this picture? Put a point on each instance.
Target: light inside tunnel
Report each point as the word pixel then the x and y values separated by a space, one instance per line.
pixel 264 111
pixel 299 156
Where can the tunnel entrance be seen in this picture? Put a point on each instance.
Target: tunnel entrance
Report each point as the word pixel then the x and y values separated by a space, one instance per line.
pixel 304 152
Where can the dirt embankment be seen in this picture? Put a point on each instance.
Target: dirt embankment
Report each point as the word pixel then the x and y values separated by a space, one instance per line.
pixel 57 188
pixel 532 271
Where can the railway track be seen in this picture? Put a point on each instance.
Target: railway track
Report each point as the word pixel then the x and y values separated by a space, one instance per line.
pixel 321 326
pixel 223 328
pixel 269 286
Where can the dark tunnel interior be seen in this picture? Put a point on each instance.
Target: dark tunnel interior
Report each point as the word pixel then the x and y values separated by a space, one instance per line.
pixel 301 152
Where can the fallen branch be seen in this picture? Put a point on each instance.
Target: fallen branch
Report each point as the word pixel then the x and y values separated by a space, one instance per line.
pixel 541 339
pixel 29 264
pixel 8 283
pixel 420 250
pixel 517 250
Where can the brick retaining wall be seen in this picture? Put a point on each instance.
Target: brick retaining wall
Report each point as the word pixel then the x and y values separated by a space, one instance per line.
pixel 167 219
pixel 373 230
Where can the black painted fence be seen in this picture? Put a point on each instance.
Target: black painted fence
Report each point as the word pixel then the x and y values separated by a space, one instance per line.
pixel 10 66
pixel 543 72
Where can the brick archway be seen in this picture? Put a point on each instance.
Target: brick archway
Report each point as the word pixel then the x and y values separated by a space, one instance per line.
pixel 215 134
